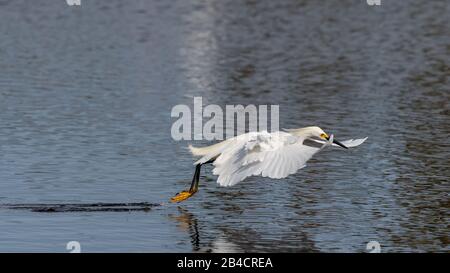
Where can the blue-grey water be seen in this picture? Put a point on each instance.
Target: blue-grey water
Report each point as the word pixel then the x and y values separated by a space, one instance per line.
pixel 86 95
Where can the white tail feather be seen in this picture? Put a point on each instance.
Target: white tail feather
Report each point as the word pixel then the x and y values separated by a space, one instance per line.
pixel 208 150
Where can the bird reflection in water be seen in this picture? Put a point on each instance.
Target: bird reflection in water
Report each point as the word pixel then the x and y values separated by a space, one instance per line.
pixel 188 222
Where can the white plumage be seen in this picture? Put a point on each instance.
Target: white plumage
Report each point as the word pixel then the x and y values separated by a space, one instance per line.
pixel 274 155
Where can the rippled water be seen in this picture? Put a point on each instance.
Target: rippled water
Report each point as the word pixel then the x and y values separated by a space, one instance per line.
pixel 85 100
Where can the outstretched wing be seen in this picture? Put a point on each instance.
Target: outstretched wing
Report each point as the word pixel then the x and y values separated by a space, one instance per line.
pixel 274 155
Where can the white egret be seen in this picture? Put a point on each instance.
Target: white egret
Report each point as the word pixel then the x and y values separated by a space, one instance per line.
pixel 275 155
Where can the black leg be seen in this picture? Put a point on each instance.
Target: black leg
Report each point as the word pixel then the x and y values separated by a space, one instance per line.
pixel 181 196
pixel 195 179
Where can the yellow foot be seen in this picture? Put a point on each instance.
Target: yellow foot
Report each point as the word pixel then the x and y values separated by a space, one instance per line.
pixel 181 196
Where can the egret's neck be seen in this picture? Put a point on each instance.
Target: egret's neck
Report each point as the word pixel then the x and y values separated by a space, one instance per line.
pixel 304 133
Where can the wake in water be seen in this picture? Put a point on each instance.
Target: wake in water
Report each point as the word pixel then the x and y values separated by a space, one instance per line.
pixel 87 207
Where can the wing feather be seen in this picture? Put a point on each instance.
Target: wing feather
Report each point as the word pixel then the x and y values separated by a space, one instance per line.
pixel 274 155
pixel 349 143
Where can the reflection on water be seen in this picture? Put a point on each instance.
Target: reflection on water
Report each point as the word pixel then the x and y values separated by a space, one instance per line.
pixel 230 239
pixel 187 222
pixel 86 95
pixel 93 207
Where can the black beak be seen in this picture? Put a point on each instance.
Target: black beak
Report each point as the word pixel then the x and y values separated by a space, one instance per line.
pixel 338 143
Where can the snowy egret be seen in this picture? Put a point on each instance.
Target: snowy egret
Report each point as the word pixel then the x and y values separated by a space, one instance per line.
pixel 275 155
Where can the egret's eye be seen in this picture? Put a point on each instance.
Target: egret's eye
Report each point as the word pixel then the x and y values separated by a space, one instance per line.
pixel 324 136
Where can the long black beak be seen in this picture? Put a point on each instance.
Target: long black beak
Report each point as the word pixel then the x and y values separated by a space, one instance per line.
pixel 338 143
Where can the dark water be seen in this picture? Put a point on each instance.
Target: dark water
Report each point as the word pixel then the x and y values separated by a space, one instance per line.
pixel 85 100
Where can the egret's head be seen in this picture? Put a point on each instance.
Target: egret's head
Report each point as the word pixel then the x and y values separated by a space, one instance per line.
pixel 317 133
pixel 313 132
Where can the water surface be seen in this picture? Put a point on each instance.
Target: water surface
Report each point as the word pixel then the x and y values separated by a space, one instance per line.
pixel 85 100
